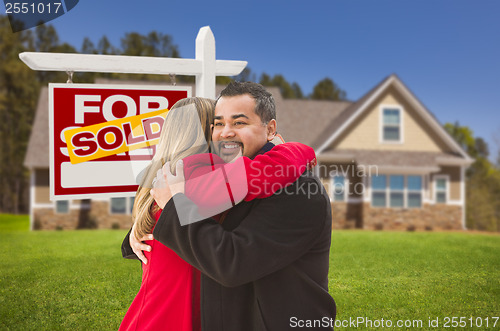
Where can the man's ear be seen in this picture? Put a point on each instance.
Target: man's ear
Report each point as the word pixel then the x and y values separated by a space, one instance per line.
pixel 271 129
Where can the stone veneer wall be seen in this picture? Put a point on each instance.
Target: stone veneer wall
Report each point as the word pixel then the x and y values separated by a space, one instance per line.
pixel 97 216
pixel 346 215
pixel 429 217
pixel 105 220
pixel 47 219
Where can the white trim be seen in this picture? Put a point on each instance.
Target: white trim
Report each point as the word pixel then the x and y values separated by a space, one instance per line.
pixel 335 158
pixel 442 160
pixel 434 179
pixel 455 202
pixel 418 106
pixel 463 196
pixel 126 64
pixel 409 170
pixel 32 199
pixel 381 124
pixel 354 116
pixel 355 200
pixel 367 193
pixel 43 205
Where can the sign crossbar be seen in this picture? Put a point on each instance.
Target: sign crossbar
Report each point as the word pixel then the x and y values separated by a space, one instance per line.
pixel 205 67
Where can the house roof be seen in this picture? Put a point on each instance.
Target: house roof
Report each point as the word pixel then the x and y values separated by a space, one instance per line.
pixel 348 117
pixel 302 120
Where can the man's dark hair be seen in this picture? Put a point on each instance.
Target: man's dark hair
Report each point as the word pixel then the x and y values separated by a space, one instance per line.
pixel 264 101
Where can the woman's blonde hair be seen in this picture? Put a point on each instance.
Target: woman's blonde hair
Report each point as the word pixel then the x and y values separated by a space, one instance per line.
pixel 186 131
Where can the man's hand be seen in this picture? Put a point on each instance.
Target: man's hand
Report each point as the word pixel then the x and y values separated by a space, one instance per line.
pixel 138 246
pixel 168 185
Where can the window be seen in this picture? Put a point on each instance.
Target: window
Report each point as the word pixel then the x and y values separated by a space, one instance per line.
pixel 414 191
pixel 131 202
pixel 379 188
pixel 122 205
pixel 62 207
pixel 397 191
pixel 339 188
pixel 391 125
pixel 441 189
pixel 397 187
pixel 118 205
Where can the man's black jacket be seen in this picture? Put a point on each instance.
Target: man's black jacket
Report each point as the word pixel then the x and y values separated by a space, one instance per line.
pixel 266 267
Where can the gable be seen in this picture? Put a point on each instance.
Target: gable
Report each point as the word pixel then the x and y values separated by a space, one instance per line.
pixel 366 131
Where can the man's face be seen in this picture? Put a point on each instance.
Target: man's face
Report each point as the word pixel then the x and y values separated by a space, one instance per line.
pixel 238 128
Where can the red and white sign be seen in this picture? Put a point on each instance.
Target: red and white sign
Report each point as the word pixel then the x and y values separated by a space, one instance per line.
pixel 73 106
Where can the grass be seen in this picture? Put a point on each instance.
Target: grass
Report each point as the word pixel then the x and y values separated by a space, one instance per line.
pixel 415 275
pixel 58 280
pixel 10 223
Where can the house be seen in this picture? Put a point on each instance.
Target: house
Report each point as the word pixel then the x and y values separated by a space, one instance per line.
pixel 385 160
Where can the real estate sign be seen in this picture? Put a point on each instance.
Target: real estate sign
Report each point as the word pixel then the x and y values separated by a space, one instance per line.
pixel 103 136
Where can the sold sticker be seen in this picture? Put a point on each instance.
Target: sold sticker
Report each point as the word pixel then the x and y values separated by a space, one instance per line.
pixel 114 137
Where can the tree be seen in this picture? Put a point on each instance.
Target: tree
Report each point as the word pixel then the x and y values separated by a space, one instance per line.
pixel 245 76
pixel 297 90
pixel 483 181
pixel 18 94
pixel 464 136
pixel 481 148
pixel 47 40
pixel 326 89
pixel 153 44
pixel 88 47
pixel 104 47
pixel 288 91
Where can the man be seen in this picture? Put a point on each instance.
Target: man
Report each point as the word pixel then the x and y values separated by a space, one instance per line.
pixel 266 266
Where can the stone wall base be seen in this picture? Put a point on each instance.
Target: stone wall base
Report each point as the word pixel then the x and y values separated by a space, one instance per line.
pixel 95 217
pixel 363 215
pixel 344 216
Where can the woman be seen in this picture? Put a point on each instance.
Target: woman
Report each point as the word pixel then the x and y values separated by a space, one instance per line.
pixel 169 295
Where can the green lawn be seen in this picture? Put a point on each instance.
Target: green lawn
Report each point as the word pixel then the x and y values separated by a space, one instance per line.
pixel 78 280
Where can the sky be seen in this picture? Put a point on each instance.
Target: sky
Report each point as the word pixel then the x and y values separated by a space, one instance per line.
pixel 446 51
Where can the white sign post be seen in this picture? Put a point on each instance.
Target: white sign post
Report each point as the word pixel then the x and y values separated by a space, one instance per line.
pixel 205 66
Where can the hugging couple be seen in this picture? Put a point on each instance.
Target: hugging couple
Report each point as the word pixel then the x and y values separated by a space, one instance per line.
pixel 228 240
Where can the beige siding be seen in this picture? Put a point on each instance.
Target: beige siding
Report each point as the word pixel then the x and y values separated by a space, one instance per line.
pixel 42 194
pixel 42 190
pixel 366 132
